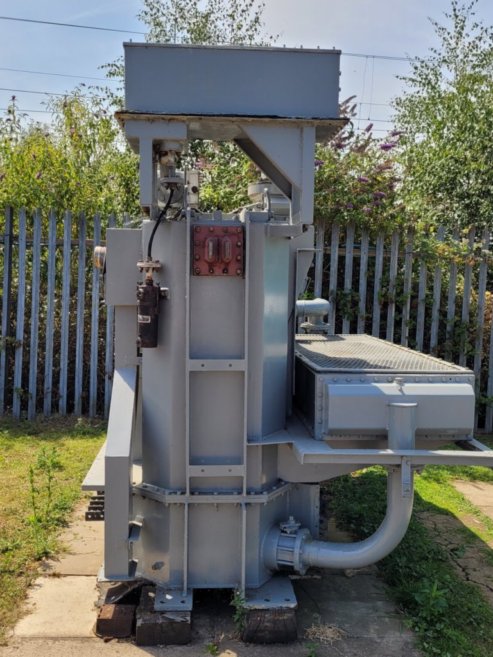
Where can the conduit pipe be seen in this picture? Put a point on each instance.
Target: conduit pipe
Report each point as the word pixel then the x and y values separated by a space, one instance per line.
pixel 294 547
pixel 377 546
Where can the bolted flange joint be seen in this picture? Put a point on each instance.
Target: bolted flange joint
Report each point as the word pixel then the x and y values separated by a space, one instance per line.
pixel 283 546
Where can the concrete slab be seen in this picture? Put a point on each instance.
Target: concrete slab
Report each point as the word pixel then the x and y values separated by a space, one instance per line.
pixel 480 493
pixel 60 607
pixel 83 542
pixel 351 606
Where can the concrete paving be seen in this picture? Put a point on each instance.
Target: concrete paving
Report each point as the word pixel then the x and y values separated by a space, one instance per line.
pixel 480 493
pixel 343 614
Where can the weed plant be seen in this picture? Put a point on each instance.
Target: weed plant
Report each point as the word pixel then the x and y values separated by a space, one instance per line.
pixel 43 465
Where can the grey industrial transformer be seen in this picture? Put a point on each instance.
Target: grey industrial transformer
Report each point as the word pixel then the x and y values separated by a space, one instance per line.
pixel 224 420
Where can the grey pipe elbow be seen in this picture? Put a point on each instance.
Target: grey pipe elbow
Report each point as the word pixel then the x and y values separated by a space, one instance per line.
pixel 300 552
pixel 377 546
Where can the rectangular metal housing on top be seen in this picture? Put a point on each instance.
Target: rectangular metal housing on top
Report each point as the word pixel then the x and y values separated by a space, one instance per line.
pixel 201 80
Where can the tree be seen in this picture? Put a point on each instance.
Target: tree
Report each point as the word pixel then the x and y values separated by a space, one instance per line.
pixel 446 116
pixel 79 163
pixel 229 22
pixel 357 179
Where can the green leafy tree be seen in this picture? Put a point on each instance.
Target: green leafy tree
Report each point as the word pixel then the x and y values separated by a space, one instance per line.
pixel 79 162
pixel 446 115
pixel 229 22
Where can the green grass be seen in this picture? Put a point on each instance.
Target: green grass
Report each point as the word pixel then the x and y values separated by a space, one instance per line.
pixel 42 465
pixel 449 615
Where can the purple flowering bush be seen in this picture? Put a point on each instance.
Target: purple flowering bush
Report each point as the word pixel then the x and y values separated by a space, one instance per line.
pixel 357 180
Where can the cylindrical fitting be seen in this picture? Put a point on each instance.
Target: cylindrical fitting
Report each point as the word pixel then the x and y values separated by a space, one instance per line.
pixel 299 552
pixel 148 295
pixel 312 307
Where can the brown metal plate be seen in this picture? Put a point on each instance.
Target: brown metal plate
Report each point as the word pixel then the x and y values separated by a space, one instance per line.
pixel 218 250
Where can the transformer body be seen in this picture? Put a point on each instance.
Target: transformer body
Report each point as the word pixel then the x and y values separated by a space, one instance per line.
pixel 223 421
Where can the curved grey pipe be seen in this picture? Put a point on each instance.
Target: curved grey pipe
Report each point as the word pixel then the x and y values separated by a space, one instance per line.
pixel 375 547
pixel 300 552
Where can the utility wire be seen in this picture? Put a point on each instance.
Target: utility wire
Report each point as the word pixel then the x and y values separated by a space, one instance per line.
pixel 28 91
pixel 77 25
pixel 112 29
pixel 44 93
pixel 60 75
pixel 38 111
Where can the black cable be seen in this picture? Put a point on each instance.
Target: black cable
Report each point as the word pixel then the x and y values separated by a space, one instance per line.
pixel 158 221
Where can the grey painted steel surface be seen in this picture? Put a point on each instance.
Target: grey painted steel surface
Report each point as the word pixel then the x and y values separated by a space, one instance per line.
pixel 118 475
pixel 224 461
pixel 378 545
pixel 222 80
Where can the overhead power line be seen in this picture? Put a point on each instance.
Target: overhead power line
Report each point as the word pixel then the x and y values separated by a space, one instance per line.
pixel 113 29
pixel 59 75
pixel 29 111
pixel 30 91
pixel 76 25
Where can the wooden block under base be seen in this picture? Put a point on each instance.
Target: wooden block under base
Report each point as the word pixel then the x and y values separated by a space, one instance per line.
pixel 154 628
pixel 115 621
pixel 270 626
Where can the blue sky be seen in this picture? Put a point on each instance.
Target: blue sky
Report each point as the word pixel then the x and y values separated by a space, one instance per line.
pixel 397 28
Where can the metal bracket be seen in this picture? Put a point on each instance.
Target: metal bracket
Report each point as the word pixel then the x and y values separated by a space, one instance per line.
pixel 277 593
pixel 169 600
pixel 406 478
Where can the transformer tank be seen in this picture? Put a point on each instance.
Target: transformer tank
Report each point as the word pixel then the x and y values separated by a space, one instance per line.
pixel 223 419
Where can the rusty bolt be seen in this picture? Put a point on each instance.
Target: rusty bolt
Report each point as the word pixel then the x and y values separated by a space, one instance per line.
pixel 238 243
pixel 238 271
pixel 225 270
pixel 211 229
pixel 211 270
pixel 197 270
pixel 197 229
pixel 238 257
pixel 197 257
pixel 238 230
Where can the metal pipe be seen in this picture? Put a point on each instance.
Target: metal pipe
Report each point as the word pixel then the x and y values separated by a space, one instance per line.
pixel 377 546
pixel 295 548
pixel 312 307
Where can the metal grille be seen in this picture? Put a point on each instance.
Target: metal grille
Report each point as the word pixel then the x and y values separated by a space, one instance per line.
pixel 364 353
